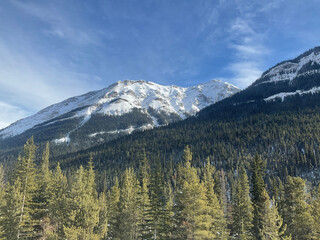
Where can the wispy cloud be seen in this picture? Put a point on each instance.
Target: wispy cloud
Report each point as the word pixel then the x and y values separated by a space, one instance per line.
pixel 51 50
pixel 31 82
pixel 62 23
pixel 249 50
pixel 244 72
pixel 9 113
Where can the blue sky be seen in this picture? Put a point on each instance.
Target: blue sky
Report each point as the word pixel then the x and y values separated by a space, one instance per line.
pixel 52 50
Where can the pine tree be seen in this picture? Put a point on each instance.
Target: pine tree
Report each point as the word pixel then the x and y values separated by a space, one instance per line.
pixel 258 188
pixel 144 201
pixel 102 228
pixel 220 189
pixel 41 198
pixel 193 219
pixel 297 212
pixel 272 223
pixel 316 213
pixel 129 212
pixel 2 198
pixel 58 202
pixel 11 211
pixel 85 208
pixel 158 216
pixel 219 223
pixel 169 223
pixel 113 199
pixel 242 209
pixel 26 173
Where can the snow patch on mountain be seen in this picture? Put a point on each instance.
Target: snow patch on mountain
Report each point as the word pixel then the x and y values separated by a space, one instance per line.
pixel 286 94
pixel 65 139
pixel 124 96
pixel 127 130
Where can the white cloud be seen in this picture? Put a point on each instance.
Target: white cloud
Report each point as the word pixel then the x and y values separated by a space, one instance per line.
pixel 32 82
pixel 249 51
pixel 245 72
pixel 241 26
pixel 9 114
pixel 62 23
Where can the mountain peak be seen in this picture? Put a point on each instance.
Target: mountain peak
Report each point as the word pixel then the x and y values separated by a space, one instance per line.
pixel 154 103
pixel 305 64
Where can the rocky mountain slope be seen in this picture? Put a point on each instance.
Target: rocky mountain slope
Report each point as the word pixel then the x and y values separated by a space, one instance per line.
pixel 284 83
pixel 116 110
pixel 278 117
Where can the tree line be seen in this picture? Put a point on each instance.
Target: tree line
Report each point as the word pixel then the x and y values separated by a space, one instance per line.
pixel 188 202
pixel 288 141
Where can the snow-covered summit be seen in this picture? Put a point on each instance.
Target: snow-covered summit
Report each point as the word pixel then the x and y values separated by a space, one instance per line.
pixel 124 96
pixel 304 65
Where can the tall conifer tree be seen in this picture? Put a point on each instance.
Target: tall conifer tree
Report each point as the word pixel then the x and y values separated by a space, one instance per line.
pixel 242 209
pixel 58 201
pixel 26 174
pixel 316 213
pixel 218 227
pixel 258 198
pixel 113 199
pixel 272 223
pixel 297 212
pixel 85 213
pixel 192 210
pixel 158 215
pixel 129 212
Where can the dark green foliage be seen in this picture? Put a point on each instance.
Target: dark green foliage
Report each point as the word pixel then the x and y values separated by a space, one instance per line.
pixel 258 196
pixel 184 203
pixel 297 210
pixel 286 140
pixel 157 214
pixel 242 209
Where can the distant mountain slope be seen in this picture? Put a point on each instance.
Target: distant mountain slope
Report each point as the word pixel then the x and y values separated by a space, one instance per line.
pixel 284 83
pixel 278 119
pixel 116 110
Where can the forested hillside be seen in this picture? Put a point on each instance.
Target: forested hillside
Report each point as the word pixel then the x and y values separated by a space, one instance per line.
pixel 277 117
pixel 246 167
pixel 287 140
pixel 181 201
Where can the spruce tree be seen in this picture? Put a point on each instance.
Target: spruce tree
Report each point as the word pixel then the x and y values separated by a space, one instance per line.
pixel 101 229
pixel 169 224
pixel 2 197
pixel 218 227
pixel 113 199
pixel 26 174
pixel 41 198
pixel 316 213
pixel 272 223
pixel 58 202
pixel 220 189
pixel 129 212
pixel 242 209
pixel 192 210
pixel 258 188
pixel 144 201
pixel 85 209
pixel 158 215
pixel 11 211
pixel 297 212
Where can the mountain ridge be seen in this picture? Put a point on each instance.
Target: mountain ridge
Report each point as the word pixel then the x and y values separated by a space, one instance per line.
pixel 154 103
pixel 278 84
pixel 284 131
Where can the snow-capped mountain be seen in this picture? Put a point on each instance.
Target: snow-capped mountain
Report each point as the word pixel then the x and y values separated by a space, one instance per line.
pixel 288 84
pixel 118 109
pixel 294 77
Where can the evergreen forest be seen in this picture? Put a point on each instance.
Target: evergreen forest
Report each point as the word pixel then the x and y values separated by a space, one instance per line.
pixel 179 200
